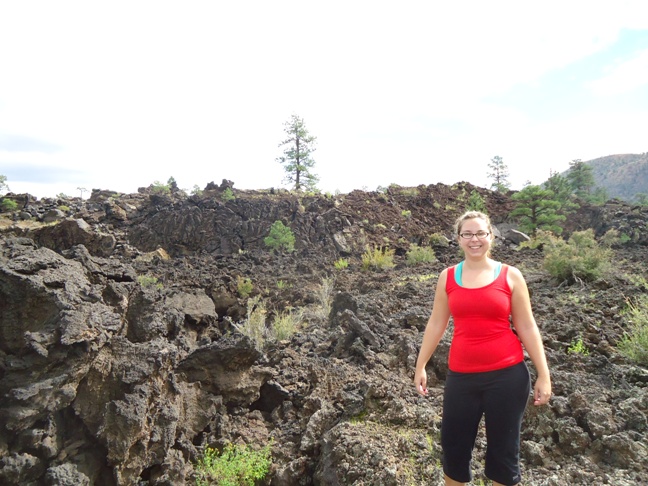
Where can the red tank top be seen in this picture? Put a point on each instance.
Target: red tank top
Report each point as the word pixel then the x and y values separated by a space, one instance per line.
pixel 483 339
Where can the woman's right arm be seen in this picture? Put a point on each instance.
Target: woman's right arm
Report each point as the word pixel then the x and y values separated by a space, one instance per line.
pixel 434 330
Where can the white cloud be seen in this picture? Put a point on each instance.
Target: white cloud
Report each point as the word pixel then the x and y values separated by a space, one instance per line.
pixel 134 92
pixel 627 75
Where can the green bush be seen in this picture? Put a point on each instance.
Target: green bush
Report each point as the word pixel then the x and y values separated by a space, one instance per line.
pixel 281 237
pixel 149 281
pixel 8 205
pixel 236 465
pixel 228 194
pixel 244 286
pixel 476 202
pixel 634 343
pixel 580 258
pixel 285 324
pixel 378 258
pixel 420 254
pixel 341 264
pixel 578 347
pixel 254 325
pixel 158 188
pixel 438 239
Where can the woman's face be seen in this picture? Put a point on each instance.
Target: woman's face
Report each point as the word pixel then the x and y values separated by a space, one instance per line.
pixel 480 238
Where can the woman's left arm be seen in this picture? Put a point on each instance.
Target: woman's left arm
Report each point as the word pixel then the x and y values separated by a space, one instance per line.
pixel 528 332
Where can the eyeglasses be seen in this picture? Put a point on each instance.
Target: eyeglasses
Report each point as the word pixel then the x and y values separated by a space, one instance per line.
pixel 480 235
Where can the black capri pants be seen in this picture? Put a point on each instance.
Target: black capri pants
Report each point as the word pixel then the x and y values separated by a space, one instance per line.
pixel 501 397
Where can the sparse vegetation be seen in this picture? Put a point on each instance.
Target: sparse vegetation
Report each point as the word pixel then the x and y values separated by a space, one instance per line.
pixel 438 239
pixel 634 343
pixel 580 258
pixel 280 238
pixel 420 254
pixel 578 347
pixel 236 465
pixel 244 286
pixel 149 281
pixel 254 326
pixel 160 189
pixel 341 264
pixel 228 195
pixel 378 258
pixel 324 295
pixel 285 324
pixel 476 202
pixel 8 205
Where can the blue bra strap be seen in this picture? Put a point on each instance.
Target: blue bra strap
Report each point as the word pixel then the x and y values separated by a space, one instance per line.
pixel 459 269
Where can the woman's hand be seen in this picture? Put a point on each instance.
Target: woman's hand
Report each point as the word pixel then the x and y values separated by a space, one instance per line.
pixel 420 381
pixel 542 391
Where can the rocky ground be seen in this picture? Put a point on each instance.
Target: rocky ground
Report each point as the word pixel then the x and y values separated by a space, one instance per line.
pixel 106 381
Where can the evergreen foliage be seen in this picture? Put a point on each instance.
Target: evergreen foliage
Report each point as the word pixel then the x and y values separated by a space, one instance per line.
pixel 236 465
pixel 297 160
pixel 537 208
pixel 3 183
pixel 581 178
pixel 499 173
pixel 280 238
pixel 580 258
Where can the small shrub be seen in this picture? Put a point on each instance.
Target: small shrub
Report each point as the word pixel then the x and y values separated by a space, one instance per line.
pixel 285 324
pixel 254 325
pixel 282 284
pixel 634 343
pixel 8 205
pixel 280 238
pixel 158 188
pixel 438 239
pixel 578 347
pixel 228 195
pixel 324 296
pixel 541 238
pixel 341 264
pixel 378 258
pixel 420 254
pixel 64 208
pixel 579 259
pixel 476 202
pixel 236 465
pixel 244 286
pixel 409 191
pixel 149 281
pixel 406 213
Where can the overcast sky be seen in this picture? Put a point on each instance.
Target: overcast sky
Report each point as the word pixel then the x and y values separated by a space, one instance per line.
pixel 117 95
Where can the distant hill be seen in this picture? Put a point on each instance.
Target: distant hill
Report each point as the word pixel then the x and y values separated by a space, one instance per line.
pixel 623 176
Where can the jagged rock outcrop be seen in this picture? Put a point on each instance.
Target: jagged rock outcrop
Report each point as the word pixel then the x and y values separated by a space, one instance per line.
pixel 120 359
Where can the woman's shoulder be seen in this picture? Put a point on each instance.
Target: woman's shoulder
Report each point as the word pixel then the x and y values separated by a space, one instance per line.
pixel 515 271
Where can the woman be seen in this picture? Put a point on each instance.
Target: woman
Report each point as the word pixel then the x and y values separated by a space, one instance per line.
pixel 487 374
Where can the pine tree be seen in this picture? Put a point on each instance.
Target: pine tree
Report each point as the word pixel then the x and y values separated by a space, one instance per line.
pixel 499 174
pixel 563 192
pixel 3 183
pixel 296 158
pixel 536 208
pixel 581 178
